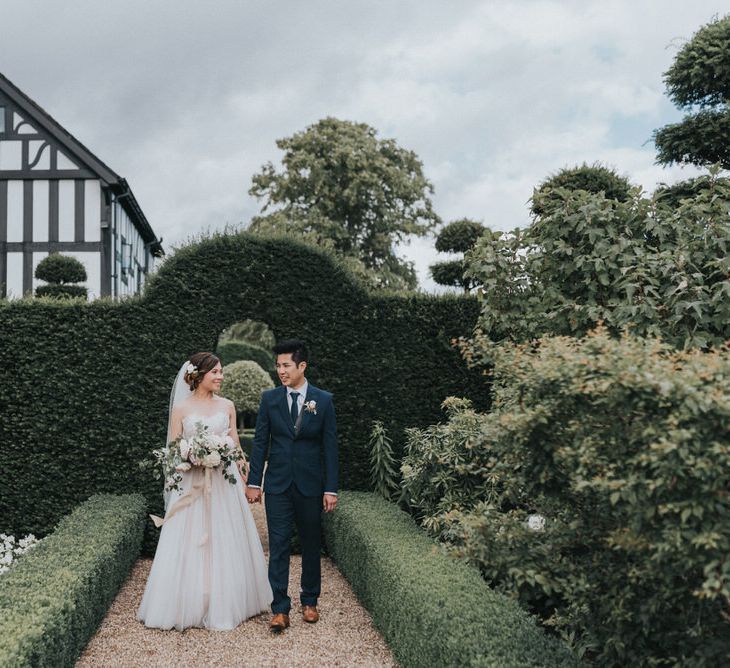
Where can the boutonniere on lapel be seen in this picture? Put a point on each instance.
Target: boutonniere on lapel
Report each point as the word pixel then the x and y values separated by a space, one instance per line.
pixel 310 407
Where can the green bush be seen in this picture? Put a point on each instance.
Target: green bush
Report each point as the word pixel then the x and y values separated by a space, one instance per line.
pixel 233 351
pixel 57 268
pixel 620 452
pixel 53 599
pixel 120 359
pixel 243 383
pixel 432 610
pixel 659 270
pixel 61 291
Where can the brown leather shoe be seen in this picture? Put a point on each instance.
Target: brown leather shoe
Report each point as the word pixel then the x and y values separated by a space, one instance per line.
pixel 279 623
pixel 310 614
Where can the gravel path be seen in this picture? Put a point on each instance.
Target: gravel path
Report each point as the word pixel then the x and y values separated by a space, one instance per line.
pixel 344 636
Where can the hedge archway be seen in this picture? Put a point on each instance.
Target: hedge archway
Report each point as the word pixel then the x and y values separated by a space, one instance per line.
pixel 87 385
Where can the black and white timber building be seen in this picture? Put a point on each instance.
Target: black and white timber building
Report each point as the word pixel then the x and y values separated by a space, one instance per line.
pixel 57 196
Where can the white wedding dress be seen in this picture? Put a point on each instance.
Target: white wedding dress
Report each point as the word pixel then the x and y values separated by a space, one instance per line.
pixel 209 569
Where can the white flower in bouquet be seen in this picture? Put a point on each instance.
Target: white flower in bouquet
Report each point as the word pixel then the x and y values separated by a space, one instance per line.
pixel 216 442
pixel 182 467
pixel 536 522
pixel 212 459
pixel 184 448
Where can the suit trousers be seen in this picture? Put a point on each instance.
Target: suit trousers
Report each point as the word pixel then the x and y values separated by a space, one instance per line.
pixel 282 512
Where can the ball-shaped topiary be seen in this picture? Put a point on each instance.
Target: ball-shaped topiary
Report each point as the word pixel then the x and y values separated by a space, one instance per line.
pixel 243 383
pixel 593 178
pixel 458 236
pixel 60 273
pixel 57 268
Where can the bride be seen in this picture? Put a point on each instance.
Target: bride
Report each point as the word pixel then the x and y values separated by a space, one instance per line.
pixel 209 569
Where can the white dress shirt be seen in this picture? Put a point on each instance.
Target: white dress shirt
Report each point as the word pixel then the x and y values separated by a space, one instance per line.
pixel 302 389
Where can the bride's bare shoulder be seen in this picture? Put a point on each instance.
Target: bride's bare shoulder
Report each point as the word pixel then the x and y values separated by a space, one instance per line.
pixel 224 403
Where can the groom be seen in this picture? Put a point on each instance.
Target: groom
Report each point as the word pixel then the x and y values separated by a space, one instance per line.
pixel 297 421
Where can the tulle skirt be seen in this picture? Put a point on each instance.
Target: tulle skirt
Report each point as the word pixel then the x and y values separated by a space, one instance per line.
pixel 209 570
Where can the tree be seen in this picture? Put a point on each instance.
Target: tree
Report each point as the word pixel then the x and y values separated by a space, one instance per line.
pixel 699 82
pixel 595 178
pixel 243 383
pixel 60 272
pixel 343 187
pixel 456 237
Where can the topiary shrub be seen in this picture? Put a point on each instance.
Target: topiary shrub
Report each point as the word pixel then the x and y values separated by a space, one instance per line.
pixel 243 383
pixel 53 599
pixel 457 237
pixel 431 609
pixel 59 271
pixel 596 492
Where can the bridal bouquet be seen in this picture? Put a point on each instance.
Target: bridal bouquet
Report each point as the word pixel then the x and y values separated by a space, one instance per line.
pixel 203 449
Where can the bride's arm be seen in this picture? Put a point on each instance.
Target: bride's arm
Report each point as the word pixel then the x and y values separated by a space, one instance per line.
pixel 176 426
pixel 233 433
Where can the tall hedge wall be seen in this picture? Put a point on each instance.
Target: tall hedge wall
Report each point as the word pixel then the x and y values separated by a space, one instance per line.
pixel 86 386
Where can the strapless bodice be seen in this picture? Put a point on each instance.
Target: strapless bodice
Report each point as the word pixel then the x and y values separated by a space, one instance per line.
pixel 217 422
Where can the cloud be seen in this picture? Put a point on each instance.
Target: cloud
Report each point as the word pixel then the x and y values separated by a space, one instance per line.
pixel 186 99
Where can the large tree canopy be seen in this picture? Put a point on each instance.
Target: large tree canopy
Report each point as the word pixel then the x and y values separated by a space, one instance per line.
pixel 699 82
pixel 343 187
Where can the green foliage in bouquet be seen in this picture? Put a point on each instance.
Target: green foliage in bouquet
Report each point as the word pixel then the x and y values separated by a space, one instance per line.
pixel 596 492
pixel 120 360
pixel 53 599
pixel 660 270
pixel 432 610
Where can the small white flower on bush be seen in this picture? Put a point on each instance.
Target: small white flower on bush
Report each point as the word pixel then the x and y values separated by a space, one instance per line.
pixel 10 549
pixel 536 522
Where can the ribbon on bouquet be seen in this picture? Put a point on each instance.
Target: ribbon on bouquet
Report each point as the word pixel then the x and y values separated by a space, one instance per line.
pixel 201 487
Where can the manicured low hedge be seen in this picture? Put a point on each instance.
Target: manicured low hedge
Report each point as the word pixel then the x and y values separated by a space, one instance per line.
pixel 54 598
pixel 431 609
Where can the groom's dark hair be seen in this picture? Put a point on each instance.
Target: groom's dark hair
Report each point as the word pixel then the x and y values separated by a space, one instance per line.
pixel 296 347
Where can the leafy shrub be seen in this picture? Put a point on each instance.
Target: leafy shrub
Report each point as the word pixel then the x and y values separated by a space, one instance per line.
pixel 243 383
pixel 383 474
pixel 54 598
pixel 659 270
pixel 432 610
pixel 61 291
pixel 594 178
pixel 622 446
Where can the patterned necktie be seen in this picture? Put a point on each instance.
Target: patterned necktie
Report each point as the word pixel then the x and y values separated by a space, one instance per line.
pixel 294 407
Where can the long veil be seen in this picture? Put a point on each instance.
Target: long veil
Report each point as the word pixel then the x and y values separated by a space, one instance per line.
pixel 180 391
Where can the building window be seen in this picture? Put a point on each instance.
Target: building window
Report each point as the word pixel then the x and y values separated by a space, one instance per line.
pixel 2 120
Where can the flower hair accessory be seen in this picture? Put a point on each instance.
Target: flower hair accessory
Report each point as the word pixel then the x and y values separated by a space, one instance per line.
pixel 191 369
pixel 310 407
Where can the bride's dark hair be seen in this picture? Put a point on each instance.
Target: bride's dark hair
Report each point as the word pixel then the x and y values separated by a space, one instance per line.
pixel 203 362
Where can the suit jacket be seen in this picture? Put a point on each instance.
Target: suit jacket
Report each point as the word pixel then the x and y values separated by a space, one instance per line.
pixel 306 457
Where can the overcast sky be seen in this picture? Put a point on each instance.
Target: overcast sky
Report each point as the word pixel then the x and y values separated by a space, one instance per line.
pixel 186 99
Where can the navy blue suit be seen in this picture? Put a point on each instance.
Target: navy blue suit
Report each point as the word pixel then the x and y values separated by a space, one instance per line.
pixel 303 464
